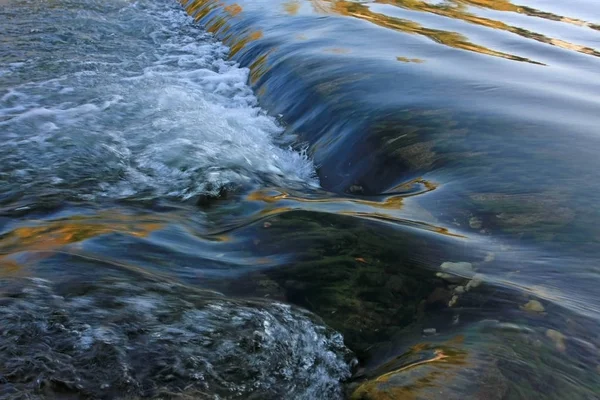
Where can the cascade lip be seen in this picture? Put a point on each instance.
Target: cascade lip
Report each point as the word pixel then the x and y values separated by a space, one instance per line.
pixel 331 70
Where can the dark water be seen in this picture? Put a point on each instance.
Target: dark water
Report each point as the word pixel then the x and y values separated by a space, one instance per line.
pixel 302 199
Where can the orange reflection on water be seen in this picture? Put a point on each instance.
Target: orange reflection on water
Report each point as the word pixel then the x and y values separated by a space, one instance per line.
pixel 408 188
pixel 391 203
pixel 259 67
pixel 52 235
pixel 199 9
pixel 506 5
pixel 291 7
pixel 220 23
pixel 237 43
pixel 455 9
pixel 9 267
pixel 337 50
pixel 459 11
pixel 387 210
pixel 410 60
pixel 402 221
pixel 233 9
pixel 448 38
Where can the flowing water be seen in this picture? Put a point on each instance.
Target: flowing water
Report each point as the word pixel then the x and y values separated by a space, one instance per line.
pixel 380 199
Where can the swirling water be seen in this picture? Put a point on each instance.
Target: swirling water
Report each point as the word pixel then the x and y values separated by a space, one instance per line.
pixel 303 199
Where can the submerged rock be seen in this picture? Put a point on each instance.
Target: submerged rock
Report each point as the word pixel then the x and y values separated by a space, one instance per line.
pixel 475 282
pixel 456 272
pixel 533 306
pixel 558 339
pixel 434 371
pixel 484 360
pixel 453 301
pixel 356 189
pixel 429 331
pixel 458 267
pixel 365 283
pixel 475 223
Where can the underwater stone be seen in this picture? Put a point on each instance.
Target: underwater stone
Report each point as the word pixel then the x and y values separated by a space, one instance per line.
pixel 533 306
pixel 429 331
pixel 453 301
pixel 475 223
pixel 475 282
pixel 437 371
pixel 356 189
pixel 558 338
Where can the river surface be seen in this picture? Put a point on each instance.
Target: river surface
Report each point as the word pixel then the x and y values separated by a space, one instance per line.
pixel 304 199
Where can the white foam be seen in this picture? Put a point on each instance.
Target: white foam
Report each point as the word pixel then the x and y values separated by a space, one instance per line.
pixel 153 110
pixel 175 339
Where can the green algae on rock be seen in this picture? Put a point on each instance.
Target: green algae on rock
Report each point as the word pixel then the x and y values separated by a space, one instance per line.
pixel 360 282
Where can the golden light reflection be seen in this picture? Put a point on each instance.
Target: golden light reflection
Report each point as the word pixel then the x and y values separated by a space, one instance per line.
pixel 403 221
pixel 448 38
pixel 199 9
pixel 459 10
pixel 385 210
pixel 259 67
pixel 408 188
pixel 337 50
pixel 237 43
pixel 455 9
pixel 390 203
pixel 506 5
pixel 51 235
pixel 291 7
pixel 410 60
pixel 233 9
pixel 9 267
pixel 220 23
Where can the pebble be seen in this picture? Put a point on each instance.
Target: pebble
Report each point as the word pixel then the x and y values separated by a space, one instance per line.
pixel 356 189
pixel 476 281
pixel 558 339
pixel 533 306
pixel 475 223
pixel 429 331
pixel 458 267
pixel 453 301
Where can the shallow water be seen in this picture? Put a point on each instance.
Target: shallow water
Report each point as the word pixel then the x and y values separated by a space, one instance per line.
pixel 311 198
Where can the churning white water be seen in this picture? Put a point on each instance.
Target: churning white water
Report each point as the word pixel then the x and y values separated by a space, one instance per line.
pixel 130 99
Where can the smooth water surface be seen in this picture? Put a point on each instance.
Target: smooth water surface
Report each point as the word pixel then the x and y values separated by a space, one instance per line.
pixel 308 198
